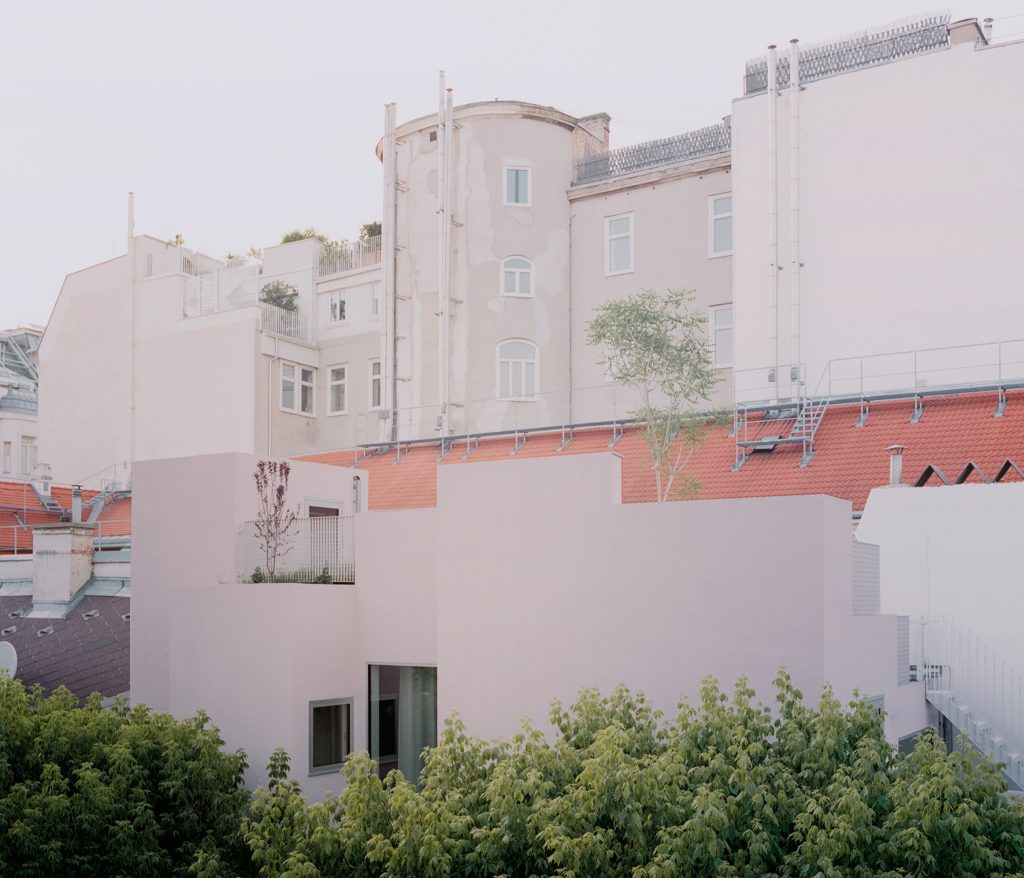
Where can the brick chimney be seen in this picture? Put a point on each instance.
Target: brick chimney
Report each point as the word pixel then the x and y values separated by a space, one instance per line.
pixel 62 566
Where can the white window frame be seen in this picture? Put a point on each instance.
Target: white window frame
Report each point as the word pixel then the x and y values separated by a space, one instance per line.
pixel 712 216
pixel 375 301
pixel 712 329
pixel 8 457
pixel 608 220
pixel 518 271
pixel 369 384
pixel 333 767
pixel 337 298
pixel 29 455
pixel 498 360
pixel 298 383
pixel 331 382
pixel 529 185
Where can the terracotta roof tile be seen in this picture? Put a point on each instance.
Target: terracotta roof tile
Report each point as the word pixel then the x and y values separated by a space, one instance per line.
pixel 848 461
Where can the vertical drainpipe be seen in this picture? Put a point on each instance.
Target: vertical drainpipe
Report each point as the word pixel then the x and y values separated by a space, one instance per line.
pixel 794 202
pixel 131 363
pixel 449 176
pixel 442 222
pixel 389 312
pixel 773 222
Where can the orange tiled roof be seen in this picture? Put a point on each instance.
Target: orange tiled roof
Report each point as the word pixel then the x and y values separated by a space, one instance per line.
pixel 848 461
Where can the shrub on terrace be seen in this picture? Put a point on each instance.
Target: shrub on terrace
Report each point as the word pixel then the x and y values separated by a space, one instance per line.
pixel 729 788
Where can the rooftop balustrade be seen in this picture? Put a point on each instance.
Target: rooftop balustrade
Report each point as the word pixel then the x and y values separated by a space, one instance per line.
pixel 337 258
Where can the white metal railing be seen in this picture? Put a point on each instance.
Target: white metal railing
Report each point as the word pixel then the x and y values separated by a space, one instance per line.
pixel 975 689
pixel 348 256
pixel 235 285
pixel 317 549
pixel 179 260
pixel 281 321
pixel 16 539
pixel 980 365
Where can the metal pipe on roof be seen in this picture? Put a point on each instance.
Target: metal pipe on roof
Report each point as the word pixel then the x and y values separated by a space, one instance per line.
pixel 794 204
pixel 773 222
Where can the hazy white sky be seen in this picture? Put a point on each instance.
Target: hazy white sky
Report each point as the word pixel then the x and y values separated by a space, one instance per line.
pixel 234 121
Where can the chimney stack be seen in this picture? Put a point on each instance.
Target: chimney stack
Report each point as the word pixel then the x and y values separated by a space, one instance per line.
pixel 896 465
pixel 76 504
pixel 986 30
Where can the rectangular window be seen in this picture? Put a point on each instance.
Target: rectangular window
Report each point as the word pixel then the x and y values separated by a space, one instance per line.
pixel 517 186
pixel 720 320
pixel 338 308
pixel 308 389
pixel 288 387
pixel 28 455
pixel 330 734
pixel 7 457
pixel 375 301
pixel 297 388
pixel 720 225
pixel 618 244
pixel 337 403
pixel 402 717
pixel 375 385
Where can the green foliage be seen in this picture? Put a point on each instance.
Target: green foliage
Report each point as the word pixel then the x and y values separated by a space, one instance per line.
pixel 369 230
pixel 729 788
pixel 281 294
pixel 659 347
pixel 258 575
pixel 324 576
pixel 88 792
pixel 301 235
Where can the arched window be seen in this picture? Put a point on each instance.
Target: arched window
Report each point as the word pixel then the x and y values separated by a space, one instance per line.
pixel 516 277
pixel 517 370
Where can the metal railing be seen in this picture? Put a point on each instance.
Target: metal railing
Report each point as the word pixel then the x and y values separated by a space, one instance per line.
pixel 348 256
pixel 312 550
pixel 874 46
pixel 281 321
pixel 975 689
pixel 180 260
pixel 16 539
pixel 909 372
pixel 713 140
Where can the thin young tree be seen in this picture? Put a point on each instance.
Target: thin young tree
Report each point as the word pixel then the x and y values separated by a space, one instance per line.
pixel 657 345
pixel 274 520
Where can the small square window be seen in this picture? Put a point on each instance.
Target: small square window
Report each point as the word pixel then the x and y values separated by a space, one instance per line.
pixel 330 734
pixel 517 186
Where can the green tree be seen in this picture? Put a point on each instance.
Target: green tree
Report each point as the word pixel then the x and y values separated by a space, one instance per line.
pixel 280 294
pixel 301 235
pixel 88 791
pixel 369 230
pixel 659 347
pixel 729 787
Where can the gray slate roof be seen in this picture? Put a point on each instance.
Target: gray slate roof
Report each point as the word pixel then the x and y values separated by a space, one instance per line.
pixel 87 651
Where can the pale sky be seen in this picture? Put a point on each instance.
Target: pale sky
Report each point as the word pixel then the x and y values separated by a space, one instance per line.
pixel 234 122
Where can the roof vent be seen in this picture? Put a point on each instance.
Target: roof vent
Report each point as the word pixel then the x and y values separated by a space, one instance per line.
pixel 42 632
pixel 15 615
pixel 90 614
pixel 126 617
pixel 10 629
pixel 896 464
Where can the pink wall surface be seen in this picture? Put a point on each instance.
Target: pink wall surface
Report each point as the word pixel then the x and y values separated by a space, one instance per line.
pixel 528 581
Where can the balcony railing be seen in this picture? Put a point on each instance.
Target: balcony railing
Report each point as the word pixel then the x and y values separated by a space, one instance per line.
pixel 312 550
pixel 348 256
pixel 281 321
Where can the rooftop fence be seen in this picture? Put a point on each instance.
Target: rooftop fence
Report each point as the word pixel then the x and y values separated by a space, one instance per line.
pixel 713 140
pixel 867 49
pixel 348 256
pixel 312 550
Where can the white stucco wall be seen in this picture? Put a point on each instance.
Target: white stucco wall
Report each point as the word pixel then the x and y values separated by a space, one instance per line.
pixel 911 181
pixel 590 592
pixel 953 551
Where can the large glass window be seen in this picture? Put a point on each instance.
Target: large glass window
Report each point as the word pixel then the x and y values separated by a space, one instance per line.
pixel 516 277
pixel 402 717
pixel 330 734
pixel 721 335
pixel 336 393
pixel 618 244
pixel 517 370
pixel 307 388
pixel 720 225
pixel 517 185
